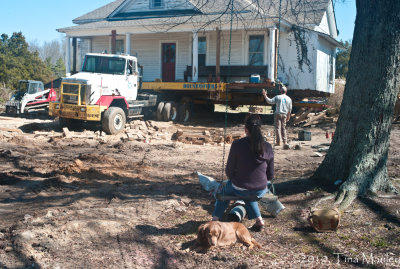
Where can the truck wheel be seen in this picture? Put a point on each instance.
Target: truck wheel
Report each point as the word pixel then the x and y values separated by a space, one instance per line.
pixel 114 120
pixel 170 112
pixel 184 112
pixel 159 112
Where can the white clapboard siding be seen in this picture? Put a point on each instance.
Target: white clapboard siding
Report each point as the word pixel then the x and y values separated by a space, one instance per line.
pixel 289 71
pixel 236 48
pixel 324 52
pixel 100 44
pixel 148 50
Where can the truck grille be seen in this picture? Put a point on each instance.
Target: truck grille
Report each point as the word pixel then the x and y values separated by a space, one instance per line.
pixel 70 89
pixel 71 93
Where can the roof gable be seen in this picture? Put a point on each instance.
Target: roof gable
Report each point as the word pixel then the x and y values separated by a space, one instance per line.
pixel 140 9
pixel 304 13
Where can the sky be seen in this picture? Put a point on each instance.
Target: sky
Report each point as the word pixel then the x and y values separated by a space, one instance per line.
pixel 39 19
pixel 345 14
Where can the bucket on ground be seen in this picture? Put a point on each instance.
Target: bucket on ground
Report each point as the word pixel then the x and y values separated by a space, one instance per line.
pixel 304 135
pixel 273 206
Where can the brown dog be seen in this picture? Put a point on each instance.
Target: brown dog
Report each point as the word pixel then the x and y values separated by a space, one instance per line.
pixel 216 233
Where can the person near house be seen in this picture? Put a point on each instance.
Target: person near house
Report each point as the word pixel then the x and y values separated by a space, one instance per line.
pixel 282 113
pixel 249 167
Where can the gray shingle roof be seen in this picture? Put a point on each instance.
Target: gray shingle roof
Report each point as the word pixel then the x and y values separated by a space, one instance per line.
pixel 98 14
pixel 301 12
pixel 295 11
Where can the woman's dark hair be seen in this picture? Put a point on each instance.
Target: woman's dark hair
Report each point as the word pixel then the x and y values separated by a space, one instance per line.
pixel 253 126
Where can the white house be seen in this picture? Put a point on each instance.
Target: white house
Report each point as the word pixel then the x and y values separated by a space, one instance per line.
pixel 290 40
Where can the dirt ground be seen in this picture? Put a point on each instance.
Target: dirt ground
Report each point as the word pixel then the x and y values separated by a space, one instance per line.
pixel 102 202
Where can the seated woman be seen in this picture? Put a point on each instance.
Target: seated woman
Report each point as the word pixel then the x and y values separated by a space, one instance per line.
pixel 249 167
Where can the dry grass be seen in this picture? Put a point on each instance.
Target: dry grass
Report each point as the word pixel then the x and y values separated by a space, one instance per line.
pixel 5 95
pixel 335 100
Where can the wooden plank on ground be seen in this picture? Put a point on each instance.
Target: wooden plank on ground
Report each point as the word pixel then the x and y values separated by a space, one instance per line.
pixel 12 130
pixel 314 119
pixel 302 117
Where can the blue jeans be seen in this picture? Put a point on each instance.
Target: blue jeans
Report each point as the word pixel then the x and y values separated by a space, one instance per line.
pixel 252 209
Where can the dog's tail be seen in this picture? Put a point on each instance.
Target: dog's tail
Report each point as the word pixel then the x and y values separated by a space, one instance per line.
pixel 255 243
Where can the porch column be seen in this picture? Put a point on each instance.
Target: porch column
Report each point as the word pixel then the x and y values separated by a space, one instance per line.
pixel 195 67
pixel 218 57
pixel 128 43
pixel 113 41
pixel 68 56
pixel 74 52
pixel 271 54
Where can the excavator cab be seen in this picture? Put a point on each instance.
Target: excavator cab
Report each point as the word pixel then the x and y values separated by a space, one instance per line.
pixel 29 92
pixel 27 87
pixel 35 87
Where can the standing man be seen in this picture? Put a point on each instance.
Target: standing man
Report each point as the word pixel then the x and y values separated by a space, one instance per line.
pixel 282 113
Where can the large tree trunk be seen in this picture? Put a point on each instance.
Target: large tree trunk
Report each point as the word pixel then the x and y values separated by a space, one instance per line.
pixel 359 150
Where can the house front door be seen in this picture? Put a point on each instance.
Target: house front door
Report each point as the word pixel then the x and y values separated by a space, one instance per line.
pixel 168 61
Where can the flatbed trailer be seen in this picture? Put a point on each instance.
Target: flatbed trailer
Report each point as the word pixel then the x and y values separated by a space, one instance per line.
pixel 234 94
pixel 178 100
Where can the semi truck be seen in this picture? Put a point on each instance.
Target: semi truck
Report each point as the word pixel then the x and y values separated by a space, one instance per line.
pixel 30 95
pixel 109 89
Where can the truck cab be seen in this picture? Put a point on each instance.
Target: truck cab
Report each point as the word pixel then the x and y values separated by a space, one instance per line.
pixel 110 75
pixel 105 90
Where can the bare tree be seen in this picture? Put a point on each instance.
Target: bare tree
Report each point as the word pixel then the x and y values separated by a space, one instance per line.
pixel 50 51
pixel 53 54
pixel 359 151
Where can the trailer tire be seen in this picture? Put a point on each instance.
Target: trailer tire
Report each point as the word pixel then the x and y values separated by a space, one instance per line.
pixel 113 120
pixel 159 112
pixel 184 112
pixel 170 112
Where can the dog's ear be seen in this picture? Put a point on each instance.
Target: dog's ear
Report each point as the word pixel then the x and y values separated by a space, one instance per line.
pixel 201 234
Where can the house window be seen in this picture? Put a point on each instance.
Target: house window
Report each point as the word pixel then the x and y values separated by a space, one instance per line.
pixel 156 3
pixel 119 46
pixel 202 51
pixel 256 50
